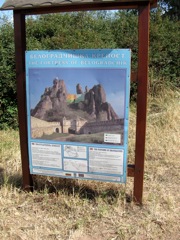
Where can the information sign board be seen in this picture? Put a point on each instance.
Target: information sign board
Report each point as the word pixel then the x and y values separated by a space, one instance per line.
pixel 77 111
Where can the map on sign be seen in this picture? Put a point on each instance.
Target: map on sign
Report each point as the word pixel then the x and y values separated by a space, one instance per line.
pixel 75 151
pixel 75 165
pixel 77 109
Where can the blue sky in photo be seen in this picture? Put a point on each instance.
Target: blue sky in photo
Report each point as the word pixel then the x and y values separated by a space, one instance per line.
pixel 112 80
pixel 2 2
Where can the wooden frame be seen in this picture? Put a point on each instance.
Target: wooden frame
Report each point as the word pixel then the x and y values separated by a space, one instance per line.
pixel 136 170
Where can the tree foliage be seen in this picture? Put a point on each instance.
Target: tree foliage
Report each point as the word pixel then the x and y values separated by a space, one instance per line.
pixel 171 8
pixel 125 32
pixel 164 48
pixel 8 102
pixel 80 30
pixel 69 31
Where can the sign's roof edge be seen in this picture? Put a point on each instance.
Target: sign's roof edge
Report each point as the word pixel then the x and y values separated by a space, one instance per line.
pixel 27 4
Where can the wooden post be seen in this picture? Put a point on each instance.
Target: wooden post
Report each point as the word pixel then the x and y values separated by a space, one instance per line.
pixel 20 47
pixel 144 12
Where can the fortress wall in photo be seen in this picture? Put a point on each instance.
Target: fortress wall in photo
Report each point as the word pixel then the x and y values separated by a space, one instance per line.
pixel 40 127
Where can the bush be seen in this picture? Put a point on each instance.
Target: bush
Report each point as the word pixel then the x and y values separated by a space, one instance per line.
pixel 8 101
pixel 101 29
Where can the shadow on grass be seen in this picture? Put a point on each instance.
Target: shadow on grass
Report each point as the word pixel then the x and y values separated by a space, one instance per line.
pixel 1 175
pixel 81 188
pixel 110 193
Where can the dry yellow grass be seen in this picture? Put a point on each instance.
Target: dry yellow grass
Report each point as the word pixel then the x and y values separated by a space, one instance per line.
pixel 89 210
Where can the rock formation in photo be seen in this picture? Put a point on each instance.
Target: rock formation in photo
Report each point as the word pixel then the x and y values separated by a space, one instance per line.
pixel 56 103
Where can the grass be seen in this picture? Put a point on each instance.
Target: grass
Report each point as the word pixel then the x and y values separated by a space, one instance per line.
pixel 54 136
pixel 85 138
pixel 89 210
pixel 91 138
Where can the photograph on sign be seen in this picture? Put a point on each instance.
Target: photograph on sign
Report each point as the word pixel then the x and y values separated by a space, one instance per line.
pixel 77 104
